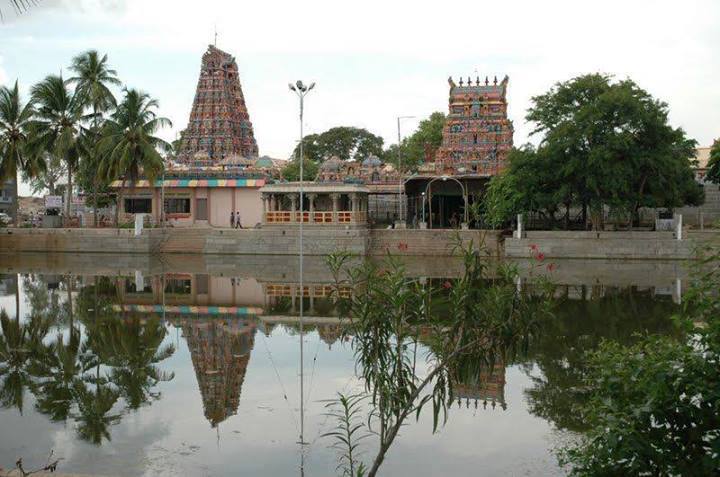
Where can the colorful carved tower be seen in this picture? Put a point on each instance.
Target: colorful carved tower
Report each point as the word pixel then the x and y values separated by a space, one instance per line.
pixel 477 135
pixel 220 351
pixel 219 123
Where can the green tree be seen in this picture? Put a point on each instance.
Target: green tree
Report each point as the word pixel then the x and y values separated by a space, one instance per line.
pixel 45 181
pixel 611 145
pixel 92 80
pixel 15 120
pixel 653 406
pixel 291 170
pixel 428 134
pixel 713 173
pixel 344 142
pixel 128 146
pixel 57 125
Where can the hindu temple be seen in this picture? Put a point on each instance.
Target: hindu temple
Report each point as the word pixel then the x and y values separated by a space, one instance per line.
pixel 219 123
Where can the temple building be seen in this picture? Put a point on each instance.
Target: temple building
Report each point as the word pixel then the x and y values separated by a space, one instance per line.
pixel 219 123
pixel 478 135
pixel 217 171
pixel 477 138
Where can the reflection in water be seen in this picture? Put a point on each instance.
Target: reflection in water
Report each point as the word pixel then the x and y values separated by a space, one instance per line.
pixel 94 350
pixel 220 351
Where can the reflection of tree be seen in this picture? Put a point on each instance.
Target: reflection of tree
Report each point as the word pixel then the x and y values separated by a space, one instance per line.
pixel 18 344
pixel 136 349
pixel 44 302
pixel 578 327
pixel 93 417
pixel 60 367
pixel 81 376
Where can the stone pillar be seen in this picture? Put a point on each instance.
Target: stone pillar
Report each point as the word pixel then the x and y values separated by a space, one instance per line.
pixel 264 199
pixel 335 203
pixel 311 202
pixel 293 207
pixel 353 202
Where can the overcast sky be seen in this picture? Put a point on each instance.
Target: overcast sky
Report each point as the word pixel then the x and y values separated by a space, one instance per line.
pixel 376 60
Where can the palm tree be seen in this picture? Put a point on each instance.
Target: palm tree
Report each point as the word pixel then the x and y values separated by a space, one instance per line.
pixel 57 124
pixel 128 146
pixel 15 119
pixel 93 76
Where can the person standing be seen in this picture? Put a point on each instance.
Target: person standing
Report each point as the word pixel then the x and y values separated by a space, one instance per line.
pixel 232 219
pixel 238 225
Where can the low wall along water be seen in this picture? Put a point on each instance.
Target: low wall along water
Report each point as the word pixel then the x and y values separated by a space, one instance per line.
pixel 357 241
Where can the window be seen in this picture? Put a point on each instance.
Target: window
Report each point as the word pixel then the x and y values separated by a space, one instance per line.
pixel 177 205
pixel 138 206
pixel 201 209
pixel 201 284
pixel 178 286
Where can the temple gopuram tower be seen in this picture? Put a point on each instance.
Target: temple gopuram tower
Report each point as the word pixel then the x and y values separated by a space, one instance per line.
pixel 477 135
pixel 219 122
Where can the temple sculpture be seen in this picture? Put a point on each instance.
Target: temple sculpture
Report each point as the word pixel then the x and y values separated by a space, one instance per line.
pixel 477 135
pixel 219 124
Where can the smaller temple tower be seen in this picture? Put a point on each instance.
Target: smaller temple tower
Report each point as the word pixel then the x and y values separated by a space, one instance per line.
pixel 477 135
pixel 219 124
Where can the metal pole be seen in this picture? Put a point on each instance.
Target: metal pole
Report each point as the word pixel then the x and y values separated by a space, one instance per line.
pixel 302 292
pixel 400 185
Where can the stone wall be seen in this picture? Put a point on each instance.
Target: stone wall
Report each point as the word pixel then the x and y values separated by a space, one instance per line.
pixel 607 245
pixel 431 242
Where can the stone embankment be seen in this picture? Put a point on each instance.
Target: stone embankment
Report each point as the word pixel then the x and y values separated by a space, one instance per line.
pixel 320 241
pixel 609 245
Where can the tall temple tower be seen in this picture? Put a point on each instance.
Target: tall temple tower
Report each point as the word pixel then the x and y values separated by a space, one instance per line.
pixel 219 122
pixel 477 135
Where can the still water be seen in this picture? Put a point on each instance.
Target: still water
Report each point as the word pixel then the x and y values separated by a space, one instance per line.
pixel 191 367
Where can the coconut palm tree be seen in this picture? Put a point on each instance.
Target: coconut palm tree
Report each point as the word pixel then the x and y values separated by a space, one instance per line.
pixel 128 146
pixel 93 78
pixel 15 118
pixel 57 125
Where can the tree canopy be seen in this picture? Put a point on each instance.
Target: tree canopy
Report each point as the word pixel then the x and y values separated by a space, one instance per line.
pixel 291 171
pixel 605 144
pixel 428 132
pixel 342 141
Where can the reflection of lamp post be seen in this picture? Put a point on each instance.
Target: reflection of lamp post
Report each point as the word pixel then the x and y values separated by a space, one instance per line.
pixel 301 90
pixel 400 181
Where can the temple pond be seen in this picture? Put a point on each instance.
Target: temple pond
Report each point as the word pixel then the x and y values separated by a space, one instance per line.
pixel 194 370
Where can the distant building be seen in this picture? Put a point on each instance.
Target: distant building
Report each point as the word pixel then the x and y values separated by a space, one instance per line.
pixel 702 156
pixel 477 138
pixel 219 123
pixel 478 135
pixel 6 197
pixel 217 171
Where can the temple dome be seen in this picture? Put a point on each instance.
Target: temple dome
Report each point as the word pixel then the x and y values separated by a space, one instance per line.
pixel 371 161
pixel 333 164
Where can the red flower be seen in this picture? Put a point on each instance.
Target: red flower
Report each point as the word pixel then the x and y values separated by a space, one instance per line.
pixel 533 246
pixel 402 246
pixel 540 257
pixel 447 284
pixel 550 267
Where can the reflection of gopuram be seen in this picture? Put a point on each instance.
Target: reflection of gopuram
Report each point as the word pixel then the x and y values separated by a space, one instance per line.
pixel 487 388
pixel 220 351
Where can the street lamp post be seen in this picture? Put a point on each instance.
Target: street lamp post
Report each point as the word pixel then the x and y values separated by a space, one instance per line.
pixel 301 91
pixel 422 221
pixel 400 181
